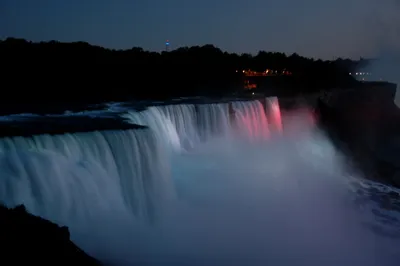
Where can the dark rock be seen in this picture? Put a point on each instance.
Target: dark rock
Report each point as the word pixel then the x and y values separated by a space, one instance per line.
pixel 64 231
pixel 365 124
pixel 28 238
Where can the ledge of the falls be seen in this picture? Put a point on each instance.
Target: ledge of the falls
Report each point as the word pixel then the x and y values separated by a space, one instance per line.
pixel 25 237
pixel 25 125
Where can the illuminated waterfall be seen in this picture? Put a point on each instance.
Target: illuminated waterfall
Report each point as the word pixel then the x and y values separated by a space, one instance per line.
pixel 71 174
pixel 187 190
pixel 58 176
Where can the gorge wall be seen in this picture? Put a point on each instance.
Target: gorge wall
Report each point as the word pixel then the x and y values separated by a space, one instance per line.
pixel 366 123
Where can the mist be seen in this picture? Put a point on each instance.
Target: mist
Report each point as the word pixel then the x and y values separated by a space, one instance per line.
pixel 286 201
pixel 386 68
pixel 384 26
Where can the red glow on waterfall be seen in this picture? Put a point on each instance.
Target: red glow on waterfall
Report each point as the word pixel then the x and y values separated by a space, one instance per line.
pixel 260 120
pixel 263 120
pixel 275 114
pixel 251 120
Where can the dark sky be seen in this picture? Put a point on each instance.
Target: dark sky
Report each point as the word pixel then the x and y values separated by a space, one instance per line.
pixel 318 28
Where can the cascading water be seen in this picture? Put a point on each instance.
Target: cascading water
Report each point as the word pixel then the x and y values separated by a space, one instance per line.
pixel 163 127
pixel 182 127
pixel 274 112
pixel 82 172
pixel 213 121
pixel 185 126
pixel 251 120
pixel 279 200
pixel 183 117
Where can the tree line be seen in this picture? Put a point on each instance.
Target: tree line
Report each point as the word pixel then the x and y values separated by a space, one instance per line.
pixel 82 72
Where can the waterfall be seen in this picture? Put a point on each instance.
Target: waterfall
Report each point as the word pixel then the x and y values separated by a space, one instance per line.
pixel 273 111
pixel 67 175
pixel 184 118
pixel 251 120
pixel 186 190
pixel 184 126
pixel 163 128
pixel 213 120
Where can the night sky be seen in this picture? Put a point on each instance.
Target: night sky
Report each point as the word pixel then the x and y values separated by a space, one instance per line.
pixel 317 28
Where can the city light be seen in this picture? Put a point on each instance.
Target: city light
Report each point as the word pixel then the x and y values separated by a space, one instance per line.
pixel 268 72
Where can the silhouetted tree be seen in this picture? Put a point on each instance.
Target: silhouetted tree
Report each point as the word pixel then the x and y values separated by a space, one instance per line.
pixel 59 72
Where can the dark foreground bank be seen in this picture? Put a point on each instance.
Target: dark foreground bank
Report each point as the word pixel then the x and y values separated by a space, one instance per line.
pixel 28 239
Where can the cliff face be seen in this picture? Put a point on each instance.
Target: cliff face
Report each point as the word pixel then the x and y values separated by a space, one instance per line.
pixel 28 238
pixel 366 123
pixel 397 97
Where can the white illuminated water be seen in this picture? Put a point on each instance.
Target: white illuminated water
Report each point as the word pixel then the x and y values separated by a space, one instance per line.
pixel 200 189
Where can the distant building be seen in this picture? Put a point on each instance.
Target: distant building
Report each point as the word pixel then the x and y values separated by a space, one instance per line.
pixel 250 76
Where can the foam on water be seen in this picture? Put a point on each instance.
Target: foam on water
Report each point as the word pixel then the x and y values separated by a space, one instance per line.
pixel 286 199
pixel 19 117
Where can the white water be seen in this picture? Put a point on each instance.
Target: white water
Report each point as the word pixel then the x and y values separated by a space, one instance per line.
pixel 68 177
pixel 276 200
